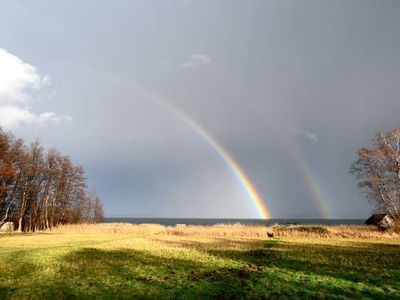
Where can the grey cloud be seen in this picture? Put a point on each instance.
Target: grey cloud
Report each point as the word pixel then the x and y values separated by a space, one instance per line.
pixel 312 136
pixel 196 60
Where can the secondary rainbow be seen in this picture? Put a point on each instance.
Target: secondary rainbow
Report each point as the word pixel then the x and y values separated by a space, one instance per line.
pixel 311 183
pixel 313 186
pixel 244 180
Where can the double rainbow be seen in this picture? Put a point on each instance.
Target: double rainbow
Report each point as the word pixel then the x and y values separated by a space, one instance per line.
pixel 314 187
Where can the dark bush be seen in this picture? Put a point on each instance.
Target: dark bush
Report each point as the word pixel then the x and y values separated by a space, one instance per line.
pixel 313 229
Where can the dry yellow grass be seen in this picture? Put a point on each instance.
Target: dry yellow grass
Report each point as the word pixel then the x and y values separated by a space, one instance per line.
pixel 118 228
pixel 234 230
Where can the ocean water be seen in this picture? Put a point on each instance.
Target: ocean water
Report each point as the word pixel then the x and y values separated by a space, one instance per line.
pixel 174 221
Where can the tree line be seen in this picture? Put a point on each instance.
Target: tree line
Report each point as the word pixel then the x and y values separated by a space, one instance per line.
pixel 40 189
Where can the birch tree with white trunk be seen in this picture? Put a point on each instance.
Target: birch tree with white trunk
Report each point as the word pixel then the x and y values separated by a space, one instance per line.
pixel 378 172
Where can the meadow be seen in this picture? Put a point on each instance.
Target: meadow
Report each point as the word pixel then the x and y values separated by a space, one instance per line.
pixel 124 261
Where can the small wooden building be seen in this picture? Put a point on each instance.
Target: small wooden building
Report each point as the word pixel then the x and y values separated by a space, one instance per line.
pixel 381 220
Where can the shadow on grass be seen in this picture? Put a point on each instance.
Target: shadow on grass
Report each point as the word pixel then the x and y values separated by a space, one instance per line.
pixel 128 274
pixel 369 269
pixel 257 270
pixel 10 280
pixel 263 273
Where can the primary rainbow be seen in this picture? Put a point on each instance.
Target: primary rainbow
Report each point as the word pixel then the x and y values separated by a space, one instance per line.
pixel 222 152
pixel 315 188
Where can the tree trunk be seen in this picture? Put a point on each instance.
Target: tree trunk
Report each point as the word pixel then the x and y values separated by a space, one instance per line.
pixel 20 224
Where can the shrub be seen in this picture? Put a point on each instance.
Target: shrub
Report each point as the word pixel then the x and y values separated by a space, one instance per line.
pixel 313 229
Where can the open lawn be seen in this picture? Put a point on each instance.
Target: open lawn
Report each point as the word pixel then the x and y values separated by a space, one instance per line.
pixel 239 262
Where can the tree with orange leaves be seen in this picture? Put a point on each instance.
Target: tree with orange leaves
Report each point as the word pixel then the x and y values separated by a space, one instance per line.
pixel 41 189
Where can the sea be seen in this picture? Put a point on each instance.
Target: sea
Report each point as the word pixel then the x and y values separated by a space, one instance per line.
pixel 208 222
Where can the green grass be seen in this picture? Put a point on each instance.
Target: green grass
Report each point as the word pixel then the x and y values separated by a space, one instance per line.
pixel 147 266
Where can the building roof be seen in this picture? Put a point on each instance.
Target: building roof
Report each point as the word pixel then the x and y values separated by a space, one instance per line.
pixel 375 219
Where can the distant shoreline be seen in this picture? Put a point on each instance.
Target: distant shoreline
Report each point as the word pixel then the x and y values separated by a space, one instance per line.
pixel 213 221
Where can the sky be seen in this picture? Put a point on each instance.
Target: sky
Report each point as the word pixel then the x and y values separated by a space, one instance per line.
pixel 142 94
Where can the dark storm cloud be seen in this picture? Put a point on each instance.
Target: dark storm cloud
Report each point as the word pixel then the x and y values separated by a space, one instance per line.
pixel 275 82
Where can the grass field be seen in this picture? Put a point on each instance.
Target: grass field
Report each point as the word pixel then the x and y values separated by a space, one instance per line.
pixel 222 262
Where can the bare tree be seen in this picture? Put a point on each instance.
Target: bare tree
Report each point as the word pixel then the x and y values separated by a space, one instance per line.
pixel 378 172
pixel 97 206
